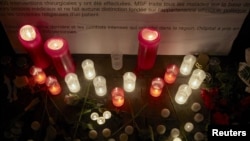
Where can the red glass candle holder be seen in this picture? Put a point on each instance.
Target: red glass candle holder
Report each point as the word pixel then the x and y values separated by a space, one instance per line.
pixel 57 48
pixel 53 85
pixel 149 40
pixel 171 73
pixel 117 96
pixel 38 74
pixel 31 40
pixel 156 87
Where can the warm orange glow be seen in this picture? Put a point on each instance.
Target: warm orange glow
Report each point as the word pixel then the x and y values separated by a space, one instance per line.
pixel 55 89
pixel 149 35
pixel 40 77
pixel 155 92
pixel 156 87
pixel 118 97
pixel 169 77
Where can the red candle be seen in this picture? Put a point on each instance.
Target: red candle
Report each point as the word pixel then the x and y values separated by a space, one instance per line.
pixel 156 87
pixel 53 85
pixel 31 40
pixel 171 73
pixel 148 44
pixel 57 48
pixel 38 75
pixel 117 96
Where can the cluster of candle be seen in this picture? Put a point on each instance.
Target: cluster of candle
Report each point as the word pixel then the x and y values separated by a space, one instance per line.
pixel 100 119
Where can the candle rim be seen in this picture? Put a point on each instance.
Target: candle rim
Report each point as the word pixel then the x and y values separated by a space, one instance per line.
pixel 59 51
pixel 149 42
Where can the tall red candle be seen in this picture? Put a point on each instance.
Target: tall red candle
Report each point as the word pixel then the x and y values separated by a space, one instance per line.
pixel 148 45
pixel 57 48
pixel 31 40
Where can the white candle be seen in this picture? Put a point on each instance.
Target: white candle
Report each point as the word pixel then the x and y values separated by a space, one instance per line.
pixel 94 116
pixel 129 129
pixel 174 132
pixel 161 129
pixel 187 64
pixel 182 94
pixel 100 85
pixel 92 134
pixel 100 120
pixel 106 132
pixel 165 113
pixel 106 114
pixel 195 107
pixel 198 117
pixel 177 139
pixel 88 69
pixel 188 127
pixel 198 136
pixel 129 81
pixel 196 78
pixel 72 82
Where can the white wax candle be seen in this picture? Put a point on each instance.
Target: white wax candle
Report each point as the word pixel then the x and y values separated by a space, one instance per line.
pixel 106 132
pixel 88 69
pixel 94 116
pixel 129 81
pixel 161 129
pixel 188 127
pixel 165 113
pixel 129 129
pixel 177 139
pixel 100 120
pixel 106 114
pixel 187 64
pixel 195 107
pixel 198 117
pixel 72 82
pixel 182 94
pixel 196 78
pixel 100 85
pixel 174 132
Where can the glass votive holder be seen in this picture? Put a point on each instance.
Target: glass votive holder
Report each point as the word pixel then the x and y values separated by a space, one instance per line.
pixel 171 73
pixel 129 81
pixel 100 85
pixel 72 82
pixel 156 87
pixel 117 96
pixel 53 85
pixel 188 127
pixel 196 78
pixel 182 94
pixel 38 74
pixel 187 64
pixel 100 120
pixel 107 114
pixel 88 69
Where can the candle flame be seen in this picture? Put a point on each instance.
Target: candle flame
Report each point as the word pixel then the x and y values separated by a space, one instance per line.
pixel 55 44
pixel 27 33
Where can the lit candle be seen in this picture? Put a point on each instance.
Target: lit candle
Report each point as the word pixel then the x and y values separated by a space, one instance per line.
pixel 182 94
pixel 117 96
pixel 106 114
pixel 88 69
pixel 72 82
pixel 171 73
pixel 38 75
pixel 57 48
pixel 174 132
pixel 177 139
pixel 100 85
pixel 53 85
pixel 196 78
pixel 187 64
pixel 100 120
pixel 129 80
pixel 156 87
pixel 31 39
pixel 149 40
pixel 94 116
pixel 188 127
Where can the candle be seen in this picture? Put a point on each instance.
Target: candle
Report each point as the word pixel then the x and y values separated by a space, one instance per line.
pixel 93 134
pixel 38 75
pixel 188 127
pixel 58 50
pixel 196 78
pixel 106 132
pixel 106 114
pixel 198 117
pixel 195 107
pixel 182 94
pixel 174 132
pixel 165 113
pixel 117 96
pixel 53 85
pixel 177 139
pixel 187 64
pixel 161 129
pixel 156 87
pixel 31 39
pixel 129 80
pixel 149 40
pixel 198 136
pixel 100 120
pixel 129 129
pixel 171 73
pixel 88 69
pixel 72 82
pixel 100 85
pixel 123 137
pixel 35 125
pixel 94 116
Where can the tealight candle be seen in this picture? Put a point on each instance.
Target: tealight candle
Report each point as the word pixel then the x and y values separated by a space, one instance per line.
pixel 174 132
pixel 93 134
pixel 30 38
pixel 117 96
pixel 195 107
pixel 53 85
pixel 171 73
pixel 161 129
pixel 149 40
pixel 165 113
pixel 123 137
pixel 38 75
pixel 106 132
pixel 129 129
pixel 177 139
pixel 35 125
pixel 187 64
pixel 100 120
pixel 72 82
pixel 88 69
pixel 100 85
pixel 198 117
pixel 196 78
pixel 58 50
pixel 188 127
pixel 198 136
pixel 156 87
pixel 129 80
pixel 182 94
pixel 106 114
pixel 94 116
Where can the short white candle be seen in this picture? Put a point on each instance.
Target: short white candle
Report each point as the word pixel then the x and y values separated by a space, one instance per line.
pixel 88 69
pixel 72 82
pixel 188 127
pixel 129 129
pixel 123 137
pixel 129 81
pixel 182 94
pixel 94 116
pixel 177 139
pixel 198 136
pixel 106 114
pixel 196 78
pixel 174 132
pixel 100 85
pixel 187 64
pixel 165 113
pixel 92 134
pixel 106 132
pixel 198 117
pixel 100 120
pixel 195 107
pixel 161 129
